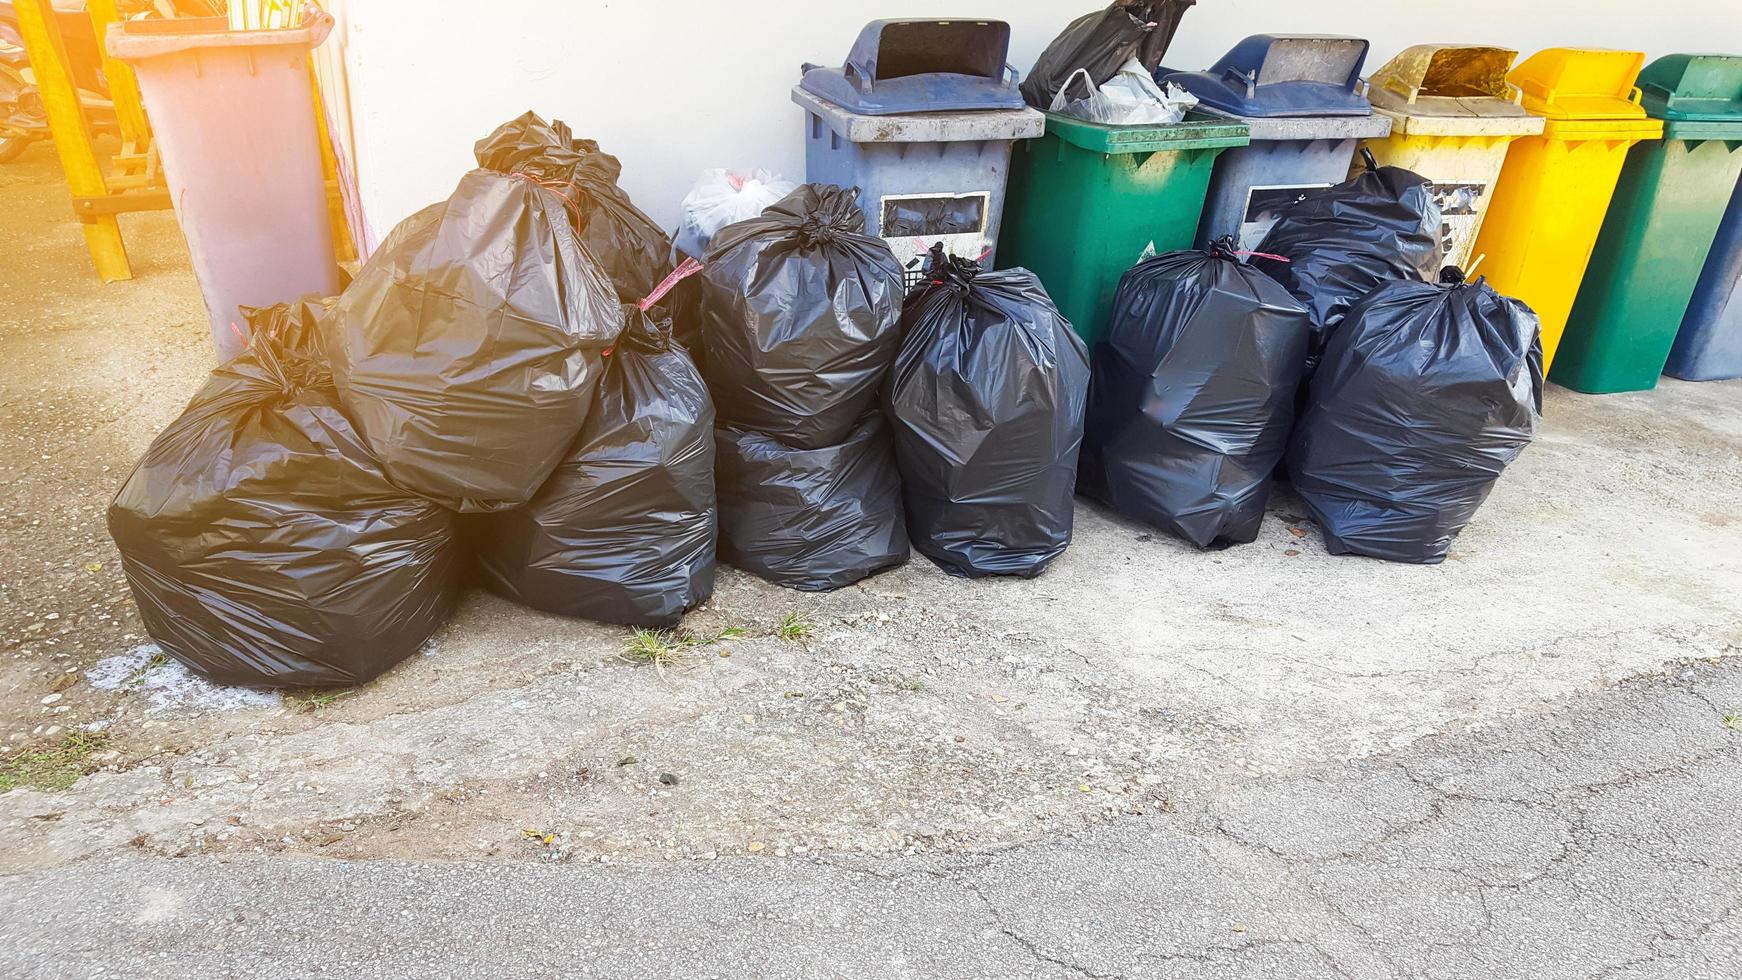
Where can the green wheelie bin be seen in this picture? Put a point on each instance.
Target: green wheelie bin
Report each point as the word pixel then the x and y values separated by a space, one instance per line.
pixel 1086 202
pixel 1659 229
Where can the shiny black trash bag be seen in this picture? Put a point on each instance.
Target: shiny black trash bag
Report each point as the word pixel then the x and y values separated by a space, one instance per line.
pixel 811 519
pixel 1102 42
pixel 1424 396
pixel 264 543
pixel 624 530
pixel 469 345
pixel 987 400
pixel 1193 395
pixel 1339 243
pixel 800 312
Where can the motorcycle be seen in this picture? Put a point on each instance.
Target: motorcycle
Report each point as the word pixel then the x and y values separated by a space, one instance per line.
pixel 23 116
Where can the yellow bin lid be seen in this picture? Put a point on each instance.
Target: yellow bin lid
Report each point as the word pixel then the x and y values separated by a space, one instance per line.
pixel 1581 83
pixel 1451 89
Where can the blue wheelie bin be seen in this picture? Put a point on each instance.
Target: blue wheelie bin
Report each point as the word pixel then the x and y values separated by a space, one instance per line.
pixel 1709 345
pixel 921 119
pixel 1299 94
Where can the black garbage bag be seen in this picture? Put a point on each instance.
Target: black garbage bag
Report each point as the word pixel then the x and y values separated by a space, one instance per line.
pixel 263 542
pixel 624 530
pixel 1339 243
pixel 800 311
pixel 811 519
pixel 1193 395
pixel 1103 41
pixel 1425 394
pixel 469 345
pixel 987 402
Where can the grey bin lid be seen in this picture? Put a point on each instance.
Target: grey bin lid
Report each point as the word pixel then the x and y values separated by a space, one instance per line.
pixel 923 127
pixel 1283 75
pixel 908 66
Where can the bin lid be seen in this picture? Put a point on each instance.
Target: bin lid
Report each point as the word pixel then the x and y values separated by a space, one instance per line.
pixel 1580 83
pixel 1447 80
pixel 923 127
pixel 1195 132
pixel 1696 87
pixel 1283 75
pixel 138 40
pixel 905 66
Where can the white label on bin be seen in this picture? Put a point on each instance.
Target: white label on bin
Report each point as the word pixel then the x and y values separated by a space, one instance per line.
pixel 1460 209
pixel 1264 204
pixel 913 223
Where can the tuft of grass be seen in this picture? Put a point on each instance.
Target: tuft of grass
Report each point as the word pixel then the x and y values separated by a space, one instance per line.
pixel 672 648
pixel 55 768
pixel 794 627
pixel 1733 721
pixel 138 677
pixel 310 704
pixel 661 648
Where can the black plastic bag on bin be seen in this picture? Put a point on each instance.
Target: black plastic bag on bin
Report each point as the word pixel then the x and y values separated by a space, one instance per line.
pixel 1193 394
pixel 263 542
pixel 811 519
pixel 987 399
pixel 624 530
pixel 1425 394
pixel 1339 243
pixel 800 312
pixel 469 345
pixel 1103 41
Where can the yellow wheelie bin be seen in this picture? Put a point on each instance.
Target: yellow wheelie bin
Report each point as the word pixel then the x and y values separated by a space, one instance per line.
pixel 1452 117
pixel 1549 203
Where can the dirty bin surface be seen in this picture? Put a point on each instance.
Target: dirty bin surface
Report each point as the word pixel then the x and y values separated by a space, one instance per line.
pixel 1453 117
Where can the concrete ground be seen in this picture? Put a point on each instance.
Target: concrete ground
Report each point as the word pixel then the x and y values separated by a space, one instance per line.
pixel 1150 762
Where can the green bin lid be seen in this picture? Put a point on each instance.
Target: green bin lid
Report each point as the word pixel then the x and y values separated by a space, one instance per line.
pixel 1694 87
pixel 1195 132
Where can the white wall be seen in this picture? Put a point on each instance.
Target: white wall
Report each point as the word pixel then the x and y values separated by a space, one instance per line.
pixel 676 86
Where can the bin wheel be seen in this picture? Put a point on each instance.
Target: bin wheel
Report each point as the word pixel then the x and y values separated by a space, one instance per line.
pixel 12 146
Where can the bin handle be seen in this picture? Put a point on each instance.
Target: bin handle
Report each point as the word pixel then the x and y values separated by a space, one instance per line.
pixel 1010 69
pixel 1247 78
pixel 1636 96
pixel 1516 93
pixel 1395 84
pixel 852 73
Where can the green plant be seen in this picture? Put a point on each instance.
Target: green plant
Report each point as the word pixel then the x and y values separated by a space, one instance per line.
pixel 138 677
pixel 794 627
pixel 55 768
pixel 309 704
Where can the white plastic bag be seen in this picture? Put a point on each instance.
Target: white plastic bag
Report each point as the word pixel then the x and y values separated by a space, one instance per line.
pixel 1129 98
pixel 720 198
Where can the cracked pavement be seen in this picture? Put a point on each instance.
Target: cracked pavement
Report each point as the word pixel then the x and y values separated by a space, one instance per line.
pixel 1601 838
